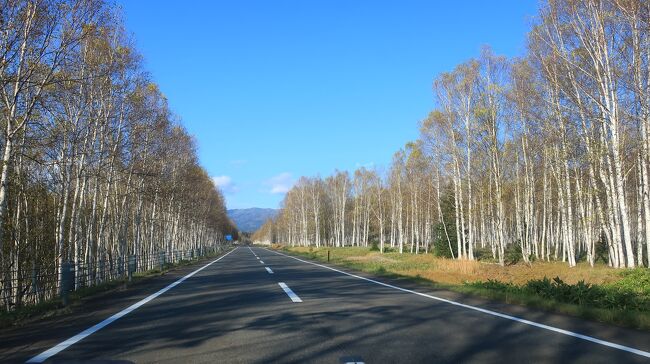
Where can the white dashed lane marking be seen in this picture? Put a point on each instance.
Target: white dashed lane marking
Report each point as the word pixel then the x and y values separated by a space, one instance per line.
pixel 294 297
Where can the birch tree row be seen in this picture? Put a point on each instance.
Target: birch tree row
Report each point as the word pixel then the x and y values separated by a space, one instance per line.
pixel 546 155
pixel 95 167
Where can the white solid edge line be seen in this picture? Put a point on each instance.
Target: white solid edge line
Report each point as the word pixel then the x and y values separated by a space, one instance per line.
pixel 89 331
pixel 489 312
pixel 269 270
pixel 294 297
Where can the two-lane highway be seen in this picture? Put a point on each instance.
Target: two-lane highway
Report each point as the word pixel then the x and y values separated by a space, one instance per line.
pixel 260 306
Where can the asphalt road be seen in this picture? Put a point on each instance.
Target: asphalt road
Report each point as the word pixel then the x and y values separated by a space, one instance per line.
pixel 236 311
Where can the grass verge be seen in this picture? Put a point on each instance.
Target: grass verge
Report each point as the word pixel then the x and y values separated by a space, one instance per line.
pixel 606 294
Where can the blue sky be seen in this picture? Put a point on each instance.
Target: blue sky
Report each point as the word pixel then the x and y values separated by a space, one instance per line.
pixel 273 90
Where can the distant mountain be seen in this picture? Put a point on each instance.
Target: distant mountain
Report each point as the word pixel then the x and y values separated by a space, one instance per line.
pixel 249 220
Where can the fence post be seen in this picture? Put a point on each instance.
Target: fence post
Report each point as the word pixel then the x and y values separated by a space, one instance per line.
pixel 35 290
pixel 67 280
pixel 120 266
pixel 102 269
pixel 132 266
pixel 161 260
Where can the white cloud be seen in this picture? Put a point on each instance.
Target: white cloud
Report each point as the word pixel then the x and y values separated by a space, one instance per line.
pixel 221 181
pixel 225 184
pixel 281 183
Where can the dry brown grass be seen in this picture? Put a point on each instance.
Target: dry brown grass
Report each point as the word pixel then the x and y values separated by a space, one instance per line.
pixel 372 258
pixel 450 271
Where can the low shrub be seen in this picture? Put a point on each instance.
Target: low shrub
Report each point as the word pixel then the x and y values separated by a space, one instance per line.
pixel 512 254
pixel 580 293
pixel 374 247
pixel 635 280
pixel 627 294
pixel 483 254
pixel 494 285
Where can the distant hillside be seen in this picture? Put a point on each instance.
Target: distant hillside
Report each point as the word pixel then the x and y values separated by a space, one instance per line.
pixel 249 220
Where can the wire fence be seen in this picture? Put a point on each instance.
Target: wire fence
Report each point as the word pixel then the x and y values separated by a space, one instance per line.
pixel 35 284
